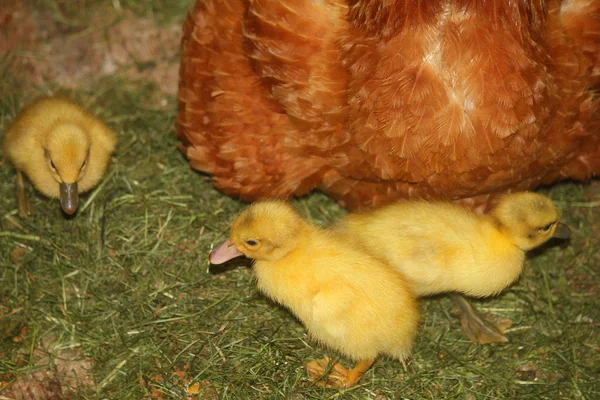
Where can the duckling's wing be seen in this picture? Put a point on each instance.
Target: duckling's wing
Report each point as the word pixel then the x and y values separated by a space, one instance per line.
pixel 330 306
pixel 103 136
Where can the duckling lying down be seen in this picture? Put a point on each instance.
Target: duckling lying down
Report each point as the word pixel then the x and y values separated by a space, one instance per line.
pixel 347 299
pixel 61 148
pixel 442 247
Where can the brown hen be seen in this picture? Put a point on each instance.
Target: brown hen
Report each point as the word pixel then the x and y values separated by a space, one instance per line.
pixel 370 101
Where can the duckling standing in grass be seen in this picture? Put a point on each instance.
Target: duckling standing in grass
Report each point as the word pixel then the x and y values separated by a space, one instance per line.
pixel 442 247
pixel 347 299
pixel 61 148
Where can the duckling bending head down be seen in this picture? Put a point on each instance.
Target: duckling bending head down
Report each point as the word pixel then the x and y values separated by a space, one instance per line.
pixel 442 247
pixel 347 299
pixel 61 148
pixel 528 219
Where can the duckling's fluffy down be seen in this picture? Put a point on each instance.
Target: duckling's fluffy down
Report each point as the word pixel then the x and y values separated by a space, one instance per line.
pixel 347 299
pixel 442 247
pixel 55 132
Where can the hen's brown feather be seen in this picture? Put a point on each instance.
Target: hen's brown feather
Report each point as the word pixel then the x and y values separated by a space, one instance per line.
pixel 371 101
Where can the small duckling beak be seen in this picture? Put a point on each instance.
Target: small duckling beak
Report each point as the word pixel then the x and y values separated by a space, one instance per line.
pixel 562 231
pixel 69 198
pixel 223 253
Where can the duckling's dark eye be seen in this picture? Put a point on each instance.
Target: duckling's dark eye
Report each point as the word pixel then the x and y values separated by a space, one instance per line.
pixel 87 156
pixel 546 228
pixel 49 159
pixel 251 242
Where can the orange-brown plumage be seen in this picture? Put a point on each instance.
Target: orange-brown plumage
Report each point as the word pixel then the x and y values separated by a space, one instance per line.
pixel 370 101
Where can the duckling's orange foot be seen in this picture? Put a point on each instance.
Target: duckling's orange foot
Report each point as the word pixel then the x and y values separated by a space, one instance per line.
pixel 478 329
pixel 23 205
pixel 317 373
pixel 338 376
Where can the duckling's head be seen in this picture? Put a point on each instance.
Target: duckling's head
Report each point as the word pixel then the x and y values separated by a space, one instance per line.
pixel 67 151
pixel 529 218
pixel 265 231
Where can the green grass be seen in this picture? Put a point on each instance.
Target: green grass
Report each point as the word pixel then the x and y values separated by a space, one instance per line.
pixel 144 305
pixel 75 15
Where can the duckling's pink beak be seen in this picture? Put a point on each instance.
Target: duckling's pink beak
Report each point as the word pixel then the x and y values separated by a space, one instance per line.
pixel 69 198
pixel 223 253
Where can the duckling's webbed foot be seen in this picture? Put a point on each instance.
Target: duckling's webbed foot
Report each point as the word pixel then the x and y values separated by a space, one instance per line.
pixel 338 376
pixel 478 329
pixel 317 372
pixel 23 205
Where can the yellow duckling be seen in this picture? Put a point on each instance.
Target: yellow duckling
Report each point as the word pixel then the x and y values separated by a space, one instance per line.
pixel 61 148
pixel 347 299
pixel 442 247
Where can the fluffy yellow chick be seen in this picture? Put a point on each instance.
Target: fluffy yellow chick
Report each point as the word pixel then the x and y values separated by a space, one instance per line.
pixel 61 148
pixel 442 247
pixel 347 299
